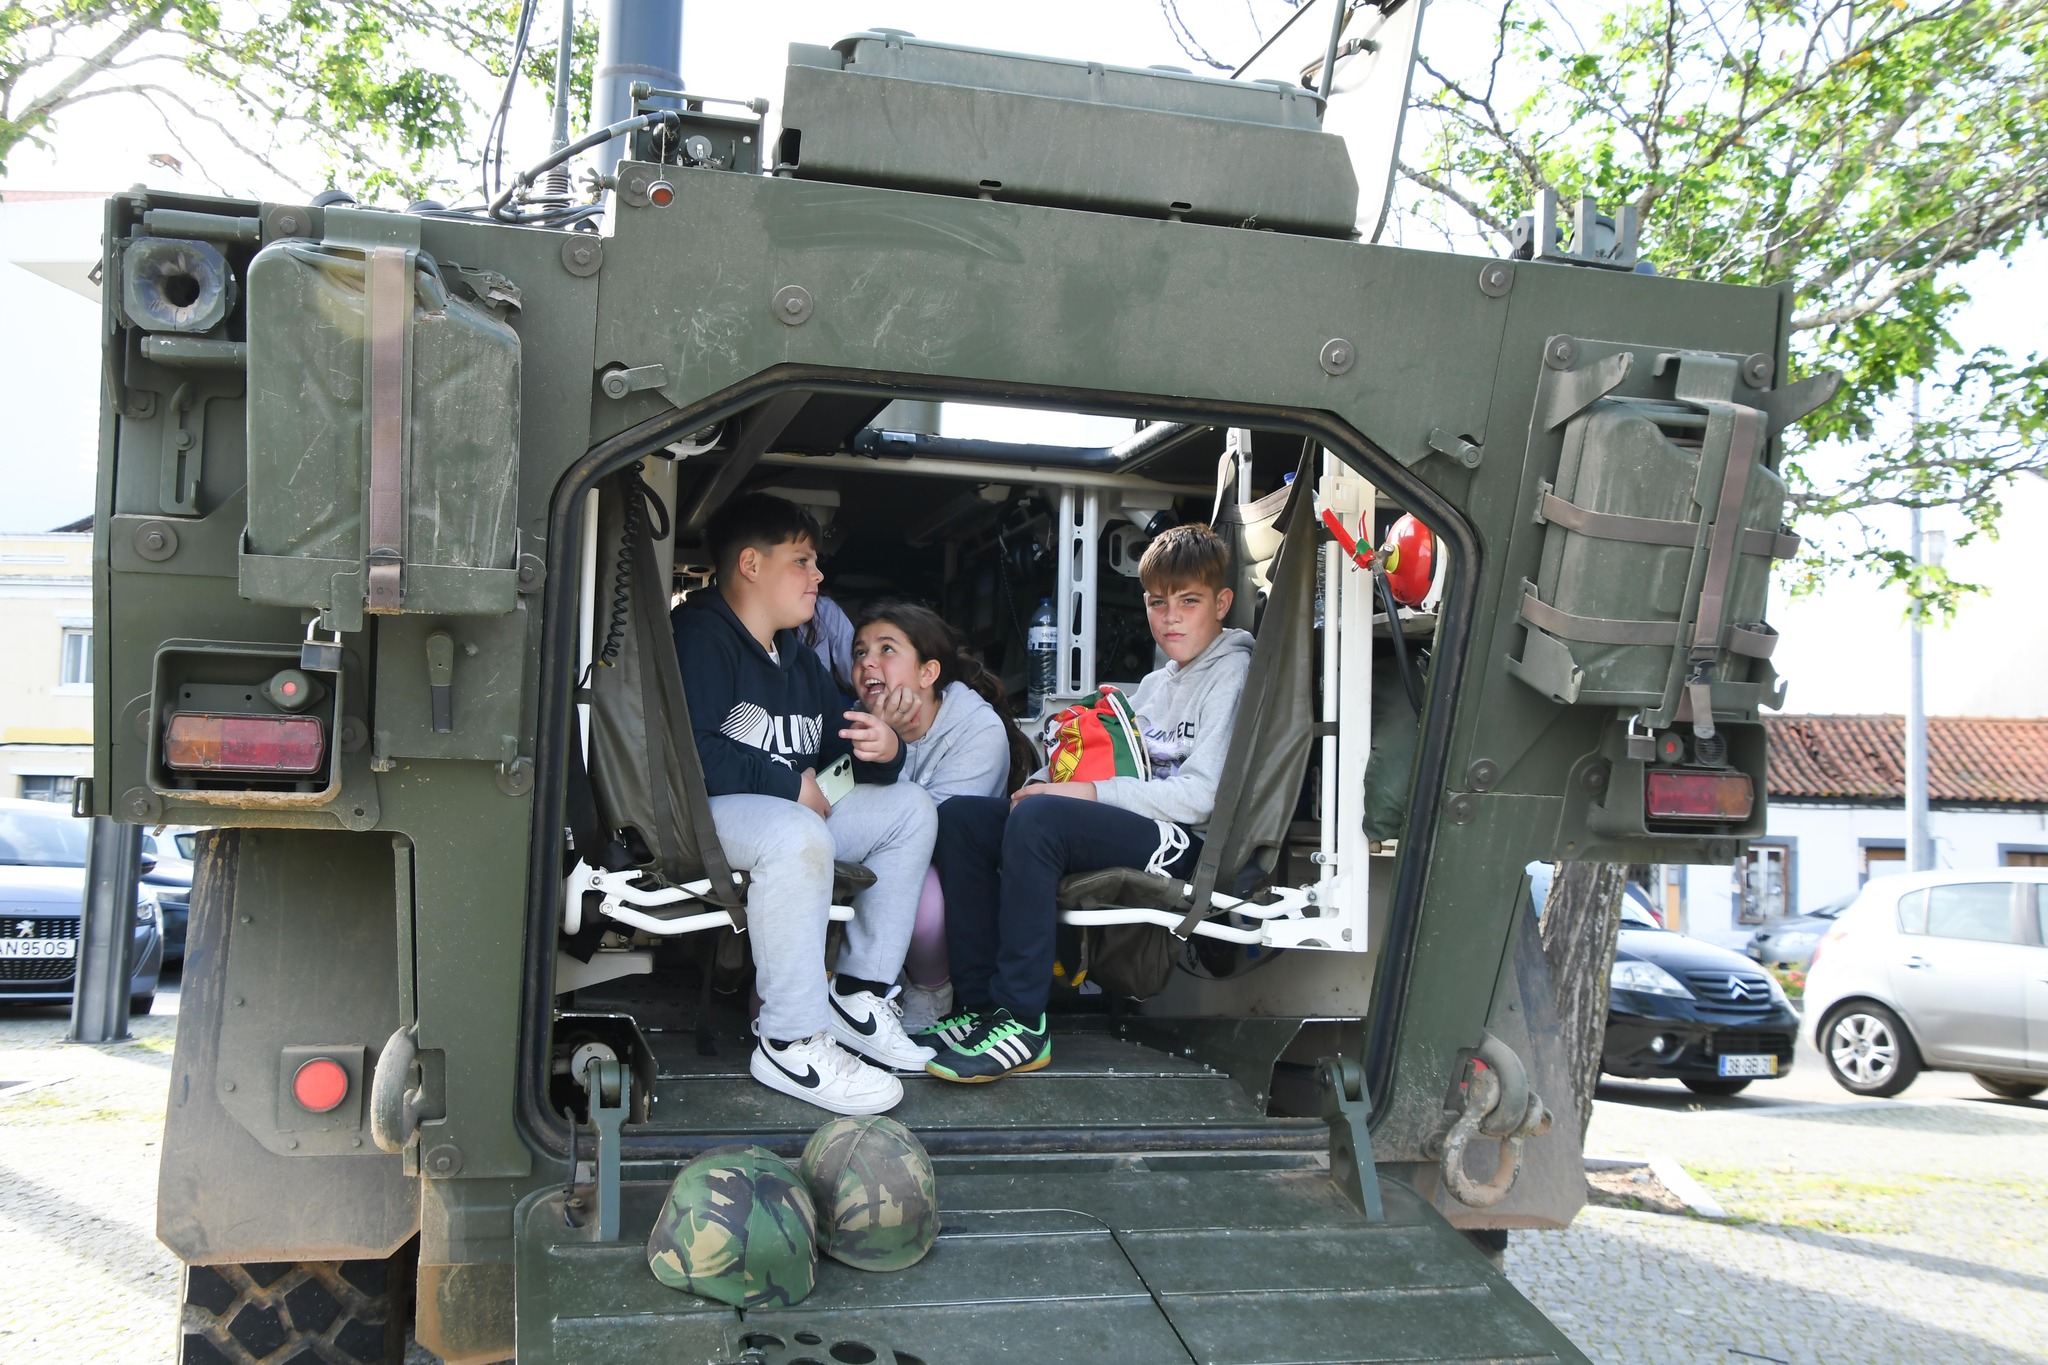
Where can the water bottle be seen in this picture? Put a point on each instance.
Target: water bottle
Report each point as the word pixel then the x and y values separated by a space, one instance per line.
pixel 1042 643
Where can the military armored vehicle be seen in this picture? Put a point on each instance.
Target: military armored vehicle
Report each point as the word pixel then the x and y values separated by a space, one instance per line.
pixel 393 508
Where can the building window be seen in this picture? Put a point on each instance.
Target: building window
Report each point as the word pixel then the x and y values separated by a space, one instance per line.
pixel 57 789
pixel 1764 879
pixel 1882 859
pixel 76 668
pixel 2010 856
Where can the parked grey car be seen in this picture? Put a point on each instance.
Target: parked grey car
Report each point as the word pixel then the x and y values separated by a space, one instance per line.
pixel 1937 971
pixel 1789 941
pixel 42 889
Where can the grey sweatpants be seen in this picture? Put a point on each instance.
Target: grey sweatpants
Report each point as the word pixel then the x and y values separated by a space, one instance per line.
pixel 788 851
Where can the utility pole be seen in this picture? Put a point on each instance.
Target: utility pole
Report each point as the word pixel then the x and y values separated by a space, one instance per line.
pixel 1919 849
pixel 106 933
pixel 637 40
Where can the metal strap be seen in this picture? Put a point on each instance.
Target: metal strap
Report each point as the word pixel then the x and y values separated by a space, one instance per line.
pixel 1596 630
pixel 1654 530
pixel 388 306
pixel 1756 643
pixel 1751 642
pixel 1779 545
pixel 1743 440
pixel 1614 525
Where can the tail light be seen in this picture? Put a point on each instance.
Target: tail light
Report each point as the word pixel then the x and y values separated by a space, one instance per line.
pixel 320 1085
pixel 1721 797
pixel 277 746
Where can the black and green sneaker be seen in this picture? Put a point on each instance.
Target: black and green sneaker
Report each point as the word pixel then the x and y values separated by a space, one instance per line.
pixel 950 1029
pixel 1002 1044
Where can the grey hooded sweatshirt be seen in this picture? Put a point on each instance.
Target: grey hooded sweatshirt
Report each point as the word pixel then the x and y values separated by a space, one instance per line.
pixel 965 753
pixel 1187 715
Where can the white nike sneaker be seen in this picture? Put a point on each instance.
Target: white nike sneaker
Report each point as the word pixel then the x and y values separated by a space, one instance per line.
pixel 818 1071
pixel 924 1006
pixel 872 1025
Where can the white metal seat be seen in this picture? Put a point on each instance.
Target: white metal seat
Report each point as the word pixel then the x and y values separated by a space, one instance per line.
pixel 665 911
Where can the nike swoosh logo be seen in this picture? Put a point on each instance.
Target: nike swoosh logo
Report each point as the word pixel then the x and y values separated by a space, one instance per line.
pixel 864 1027
pixel 809 1080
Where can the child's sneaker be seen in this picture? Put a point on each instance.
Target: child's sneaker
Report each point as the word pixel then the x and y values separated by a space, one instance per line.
pixel 945 1032
pixel 925 1006
pixel 872 1025
pixel 1001 1045
pixel 818 1071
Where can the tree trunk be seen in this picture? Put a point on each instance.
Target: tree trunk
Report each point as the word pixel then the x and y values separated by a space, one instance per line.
pixel 1581 920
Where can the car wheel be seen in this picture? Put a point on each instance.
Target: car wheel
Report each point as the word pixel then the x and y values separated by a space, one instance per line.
pixel 2007 1089
pixel 140 1005
pixel 1868 1051
pixel 1716 1086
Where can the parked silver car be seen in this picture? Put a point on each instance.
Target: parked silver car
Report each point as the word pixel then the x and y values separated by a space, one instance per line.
pixel 1938 971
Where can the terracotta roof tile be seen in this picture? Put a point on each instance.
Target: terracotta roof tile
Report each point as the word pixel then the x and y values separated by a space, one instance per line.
pixel 1972 761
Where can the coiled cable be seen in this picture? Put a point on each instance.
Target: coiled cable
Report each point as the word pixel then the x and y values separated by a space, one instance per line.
pixel 639 499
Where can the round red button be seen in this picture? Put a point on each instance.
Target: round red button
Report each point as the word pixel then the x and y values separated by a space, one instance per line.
pixel 320 1085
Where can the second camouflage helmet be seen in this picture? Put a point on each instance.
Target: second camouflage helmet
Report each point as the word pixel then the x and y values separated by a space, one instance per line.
pixel 877 1203
pixel 737 1226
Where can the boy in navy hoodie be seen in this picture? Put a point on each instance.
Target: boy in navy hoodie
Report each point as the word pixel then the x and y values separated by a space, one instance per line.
pixel 768 720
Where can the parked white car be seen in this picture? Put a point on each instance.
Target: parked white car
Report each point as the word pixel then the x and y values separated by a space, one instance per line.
pixel 1936 971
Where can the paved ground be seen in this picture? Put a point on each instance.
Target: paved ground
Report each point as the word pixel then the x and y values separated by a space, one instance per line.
pixel 1911 1230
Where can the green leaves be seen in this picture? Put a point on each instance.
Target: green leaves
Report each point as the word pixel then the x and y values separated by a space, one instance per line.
pixel 1860 153
pixel 385 93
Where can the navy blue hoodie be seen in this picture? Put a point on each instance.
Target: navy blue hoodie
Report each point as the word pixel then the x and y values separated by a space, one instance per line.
pixel 760 723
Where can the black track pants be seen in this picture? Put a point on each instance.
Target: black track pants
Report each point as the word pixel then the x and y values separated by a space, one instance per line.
pixel 1000 868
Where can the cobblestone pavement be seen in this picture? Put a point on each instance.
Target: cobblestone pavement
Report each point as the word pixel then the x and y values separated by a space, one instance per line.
pixel 1891 1231
pixel 1901 1230
pixel 86 1278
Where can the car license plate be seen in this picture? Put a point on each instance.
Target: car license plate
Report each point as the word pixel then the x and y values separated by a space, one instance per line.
pixel 1750 1064
pixel 38 947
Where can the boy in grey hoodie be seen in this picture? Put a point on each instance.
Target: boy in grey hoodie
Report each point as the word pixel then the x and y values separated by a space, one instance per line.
pixel 1000 861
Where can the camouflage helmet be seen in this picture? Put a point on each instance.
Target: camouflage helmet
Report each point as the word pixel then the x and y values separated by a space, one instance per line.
pixel 737 1226
pixel 878 1208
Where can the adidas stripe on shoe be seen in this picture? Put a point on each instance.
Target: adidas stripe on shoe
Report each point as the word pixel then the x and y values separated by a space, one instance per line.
pixel 1001 1045
pixel 950 1030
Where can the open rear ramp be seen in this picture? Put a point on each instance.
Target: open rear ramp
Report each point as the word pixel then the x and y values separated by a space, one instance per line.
pixel 1235 1259
pixel 1197 1227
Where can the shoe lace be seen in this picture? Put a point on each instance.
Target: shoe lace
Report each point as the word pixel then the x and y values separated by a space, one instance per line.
pixel 826 1054
pixel 999 1030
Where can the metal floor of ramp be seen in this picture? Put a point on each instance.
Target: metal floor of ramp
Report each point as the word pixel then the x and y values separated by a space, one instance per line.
pixel 1227 1258
pixel 1093 1076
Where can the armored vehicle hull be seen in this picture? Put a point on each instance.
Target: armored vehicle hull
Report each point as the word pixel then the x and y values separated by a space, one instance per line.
pixel 442 473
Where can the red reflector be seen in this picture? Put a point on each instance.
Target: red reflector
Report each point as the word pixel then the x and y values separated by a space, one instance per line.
pixel 1723 797
pixel 200 741
pixel 320 1085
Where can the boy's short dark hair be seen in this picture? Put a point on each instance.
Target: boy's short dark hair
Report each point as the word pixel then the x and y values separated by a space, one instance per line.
pixel 1185 555
pixel 758 521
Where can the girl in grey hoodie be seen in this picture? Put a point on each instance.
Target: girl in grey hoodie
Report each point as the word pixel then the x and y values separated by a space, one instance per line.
pixel 908 668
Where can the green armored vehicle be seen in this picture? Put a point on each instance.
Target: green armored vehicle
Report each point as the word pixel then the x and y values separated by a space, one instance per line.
pixel 392 512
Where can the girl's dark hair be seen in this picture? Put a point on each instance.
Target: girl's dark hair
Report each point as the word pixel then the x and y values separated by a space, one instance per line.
pixel 929 635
